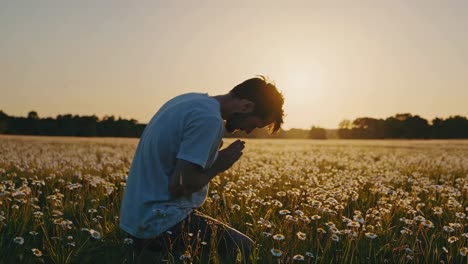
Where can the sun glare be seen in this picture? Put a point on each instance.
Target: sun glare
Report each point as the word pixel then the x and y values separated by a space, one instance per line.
pixel 301 86
pixel 302 81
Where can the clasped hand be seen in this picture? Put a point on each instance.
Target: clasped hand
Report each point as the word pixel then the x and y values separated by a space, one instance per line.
pixel 229 155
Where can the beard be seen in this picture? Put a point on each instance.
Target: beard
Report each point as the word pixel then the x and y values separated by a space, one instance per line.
pixel 231 125
pixel 234 123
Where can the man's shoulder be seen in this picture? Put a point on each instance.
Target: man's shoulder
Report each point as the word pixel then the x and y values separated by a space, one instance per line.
pixel 198 104
pixel 191 96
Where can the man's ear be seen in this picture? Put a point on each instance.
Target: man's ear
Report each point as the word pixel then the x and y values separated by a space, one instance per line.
pixel 247 106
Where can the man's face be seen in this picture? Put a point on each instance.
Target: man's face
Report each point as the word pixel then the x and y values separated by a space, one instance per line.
pixel 245 122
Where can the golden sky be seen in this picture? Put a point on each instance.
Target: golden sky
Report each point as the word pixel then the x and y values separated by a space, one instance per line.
pixel 332 62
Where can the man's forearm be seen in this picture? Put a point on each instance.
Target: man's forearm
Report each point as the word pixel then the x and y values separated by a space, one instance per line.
pixel 199 180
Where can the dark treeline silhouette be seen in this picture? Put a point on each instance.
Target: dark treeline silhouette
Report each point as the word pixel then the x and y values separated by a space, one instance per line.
pixel 70 125
pixel 404 126
pixel 400 126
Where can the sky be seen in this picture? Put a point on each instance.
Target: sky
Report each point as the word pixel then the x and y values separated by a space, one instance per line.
pixel 331 60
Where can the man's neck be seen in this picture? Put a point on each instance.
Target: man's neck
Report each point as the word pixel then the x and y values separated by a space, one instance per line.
pixel 225 104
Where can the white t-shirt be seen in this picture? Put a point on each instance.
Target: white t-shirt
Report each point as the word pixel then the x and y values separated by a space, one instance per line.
pixel 188 127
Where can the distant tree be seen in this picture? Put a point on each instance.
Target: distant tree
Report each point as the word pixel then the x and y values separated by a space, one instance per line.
pixel 85 126
pixel 452 127
pixel 407 126
pixel 345 124
pixel 65 125
pixel 436 128
pixel 316 132
pixel 416 127
pixel 31 124
pixel 368 128
pixel 344 129
pixel 33 115
pixel 393 128
pixel 107 126
pixel 47 126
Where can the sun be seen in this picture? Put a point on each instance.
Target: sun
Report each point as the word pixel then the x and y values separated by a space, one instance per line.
pixel 302 81
pixel 300 84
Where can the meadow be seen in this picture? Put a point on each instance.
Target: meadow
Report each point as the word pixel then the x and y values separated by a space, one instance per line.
pixel 333 201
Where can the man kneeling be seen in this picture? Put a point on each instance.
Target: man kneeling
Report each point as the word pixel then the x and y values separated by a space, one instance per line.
pixel 177 156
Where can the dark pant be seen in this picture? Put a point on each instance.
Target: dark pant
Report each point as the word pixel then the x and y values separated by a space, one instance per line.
pixel 195 238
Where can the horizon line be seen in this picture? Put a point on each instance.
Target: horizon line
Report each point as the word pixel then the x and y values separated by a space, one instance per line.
pixel 140 123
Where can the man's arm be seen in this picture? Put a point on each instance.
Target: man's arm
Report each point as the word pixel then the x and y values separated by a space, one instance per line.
pixel 189 177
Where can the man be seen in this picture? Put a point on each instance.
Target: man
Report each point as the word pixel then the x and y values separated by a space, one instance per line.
pixel 178 155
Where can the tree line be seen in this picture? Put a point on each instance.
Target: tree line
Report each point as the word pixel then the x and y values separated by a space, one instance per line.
pixel 70 125
pixel 404 126
pixel 400 126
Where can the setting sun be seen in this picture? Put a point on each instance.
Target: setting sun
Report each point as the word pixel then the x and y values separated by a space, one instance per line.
pixel 302 80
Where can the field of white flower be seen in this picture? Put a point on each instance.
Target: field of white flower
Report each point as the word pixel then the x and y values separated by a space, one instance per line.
pixel 300 200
